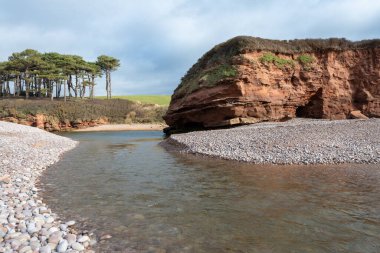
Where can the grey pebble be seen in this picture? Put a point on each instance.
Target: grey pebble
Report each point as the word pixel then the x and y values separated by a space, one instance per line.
pixel 62 246
pixel 77 246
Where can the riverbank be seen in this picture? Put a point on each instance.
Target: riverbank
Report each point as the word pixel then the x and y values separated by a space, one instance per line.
pixel 123 127
pixel 26 223
pixel 298 141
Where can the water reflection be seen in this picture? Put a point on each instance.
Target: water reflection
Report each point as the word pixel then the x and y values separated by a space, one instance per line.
pixel 124 184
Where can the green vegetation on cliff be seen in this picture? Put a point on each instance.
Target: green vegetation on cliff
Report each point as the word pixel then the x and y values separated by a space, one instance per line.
pixel 279 62
pixel 305 60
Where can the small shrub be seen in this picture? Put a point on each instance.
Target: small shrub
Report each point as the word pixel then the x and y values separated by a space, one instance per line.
pixel 279 62
pixel 267 58
pixel 130 118
pixel 305 59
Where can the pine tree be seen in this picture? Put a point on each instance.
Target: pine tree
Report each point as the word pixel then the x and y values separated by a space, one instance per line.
pixel 107 65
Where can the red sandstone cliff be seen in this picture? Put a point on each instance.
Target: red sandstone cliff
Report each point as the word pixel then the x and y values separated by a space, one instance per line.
pixel 247 80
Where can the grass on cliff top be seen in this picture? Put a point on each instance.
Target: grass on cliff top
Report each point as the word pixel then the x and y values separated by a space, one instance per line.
pixel 118 111
pixel 246 43
pixel 163 100
pixel 208 78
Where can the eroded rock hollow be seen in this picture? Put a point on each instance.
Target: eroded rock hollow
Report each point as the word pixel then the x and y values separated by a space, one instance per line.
pixel 247 80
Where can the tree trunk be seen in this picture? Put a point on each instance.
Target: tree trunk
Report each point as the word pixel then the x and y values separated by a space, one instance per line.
pixel 45 88
pixel 92 86
pixel 69 84
pixel 58 88
pixel 76 86
pixel 51 85
pixel 107 85
pixel 17 86
pixel 35 82
pixel 14 88
pixel 64 91
pixel 110 85
pixel 82 89
pixel 39 81
pixel 26 86
pixel 18 82
pixel 7 89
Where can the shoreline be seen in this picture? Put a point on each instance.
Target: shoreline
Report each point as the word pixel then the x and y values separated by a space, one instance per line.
pixel 298 141
pixel 123 127
pixel 27 224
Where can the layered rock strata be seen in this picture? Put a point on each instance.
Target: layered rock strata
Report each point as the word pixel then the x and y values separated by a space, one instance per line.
pixel 247 80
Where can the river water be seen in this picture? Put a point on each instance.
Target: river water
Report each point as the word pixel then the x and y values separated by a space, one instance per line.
pixel 150 200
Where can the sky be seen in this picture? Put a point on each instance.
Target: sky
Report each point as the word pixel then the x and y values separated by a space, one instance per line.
pixel 157 41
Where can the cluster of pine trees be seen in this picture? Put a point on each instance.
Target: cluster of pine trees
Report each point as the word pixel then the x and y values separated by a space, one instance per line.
pixel 33 74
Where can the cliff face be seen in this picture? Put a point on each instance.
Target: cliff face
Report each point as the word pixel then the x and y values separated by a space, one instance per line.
pixel 247 80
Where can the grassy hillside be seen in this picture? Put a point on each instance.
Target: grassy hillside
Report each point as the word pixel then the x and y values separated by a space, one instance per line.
pixel 115 110
pixel 147 99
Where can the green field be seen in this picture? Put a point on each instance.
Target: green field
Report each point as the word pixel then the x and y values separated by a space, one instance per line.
pixel 148 99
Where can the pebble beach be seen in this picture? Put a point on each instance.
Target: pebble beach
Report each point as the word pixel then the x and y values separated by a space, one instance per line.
pixel 298 141
pixel 27 225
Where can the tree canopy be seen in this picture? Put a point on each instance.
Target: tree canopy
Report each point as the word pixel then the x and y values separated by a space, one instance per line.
pixel 33 74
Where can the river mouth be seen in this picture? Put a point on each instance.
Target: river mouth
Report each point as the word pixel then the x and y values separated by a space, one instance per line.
pixel 150 200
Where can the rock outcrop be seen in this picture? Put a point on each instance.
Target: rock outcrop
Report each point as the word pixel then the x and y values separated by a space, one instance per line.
pixel 247 80
pixel 53 124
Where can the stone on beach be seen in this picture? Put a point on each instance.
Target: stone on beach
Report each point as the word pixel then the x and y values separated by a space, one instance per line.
pixel 71 238
pixel 55 237
pixel 77 246
pixel 357 115
pixel 83 238
pixel 62 246
pixel 70 223
pixel 45 249
pixel 5 179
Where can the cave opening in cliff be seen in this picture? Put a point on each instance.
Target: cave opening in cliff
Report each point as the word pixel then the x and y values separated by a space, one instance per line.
pixel 313 108
pixel 300 112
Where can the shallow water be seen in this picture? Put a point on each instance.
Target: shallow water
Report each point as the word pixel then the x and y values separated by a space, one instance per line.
pixel 151 200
